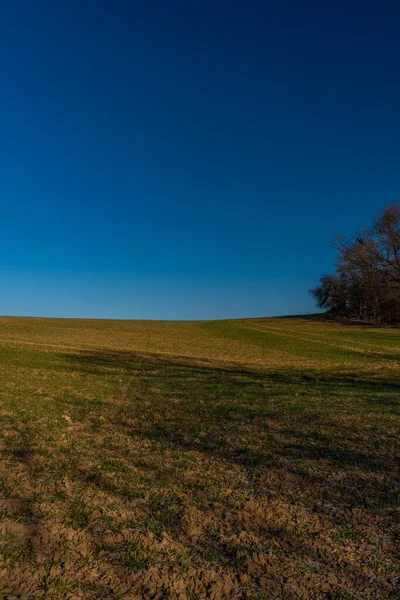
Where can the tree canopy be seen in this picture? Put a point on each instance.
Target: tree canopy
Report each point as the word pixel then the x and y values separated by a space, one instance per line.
pixel 366 281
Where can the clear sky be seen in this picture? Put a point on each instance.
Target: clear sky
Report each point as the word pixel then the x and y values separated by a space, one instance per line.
pixel 189 158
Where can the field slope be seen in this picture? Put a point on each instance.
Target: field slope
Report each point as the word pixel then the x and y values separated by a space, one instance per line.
pixel 244 459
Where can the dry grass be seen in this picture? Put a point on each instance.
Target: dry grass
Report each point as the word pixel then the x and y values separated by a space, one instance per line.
pixel 249 459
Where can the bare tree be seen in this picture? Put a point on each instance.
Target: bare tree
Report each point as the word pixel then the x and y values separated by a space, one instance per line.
pixel 366 283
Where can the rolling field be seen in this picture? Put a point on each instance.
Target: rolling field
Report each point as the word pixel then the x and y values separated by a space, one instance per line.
pixel 247 459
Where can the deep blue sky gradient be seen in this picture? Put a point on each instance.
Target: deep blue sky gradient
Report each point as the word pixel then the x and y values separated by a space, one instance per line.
pixel 189 159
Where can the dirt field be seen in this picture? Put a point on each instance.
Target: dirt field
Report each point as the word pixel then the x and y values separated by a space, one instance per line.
pixel 248 459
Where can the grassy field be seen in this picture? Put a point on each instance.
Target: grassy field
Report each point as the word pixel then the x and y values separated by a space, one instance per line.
pixel 248 459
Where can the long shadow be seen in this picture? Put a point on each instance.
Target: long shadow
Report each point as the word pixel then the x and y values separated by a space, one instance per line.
pixel 98 362
pixel 304 437
pixel 370 386
pixel 228 404
pixel 310 429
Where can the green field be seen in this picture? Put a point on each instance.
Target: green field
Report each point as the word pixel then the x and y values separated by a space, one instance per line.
pixel 255 458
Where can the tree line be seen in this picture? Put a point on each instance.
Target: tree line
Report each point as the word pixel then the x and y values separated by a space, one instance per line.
pixel 366 281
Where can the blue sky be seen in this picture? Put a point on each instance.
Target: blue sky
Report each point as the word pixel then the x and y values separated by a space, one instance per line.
pixel 189 159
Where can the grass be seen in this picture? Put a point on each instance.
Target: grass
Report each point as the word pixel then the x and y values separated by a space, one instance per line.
pixel 247 459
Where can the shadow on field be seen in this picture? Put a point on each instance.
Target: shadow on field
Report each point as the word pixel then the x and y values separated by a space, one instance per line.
pixel 321 444
pixel 282 476
pixel 253 418
pixel 370 387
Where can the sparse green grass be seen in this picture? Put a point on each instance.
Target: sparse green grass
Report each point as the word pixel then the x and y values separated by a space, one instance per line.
pixel 256 458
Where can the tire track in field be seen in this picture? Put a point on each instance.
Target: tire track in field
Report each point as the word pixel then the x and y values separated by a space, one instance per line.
pixel 324 336
pixel 360 351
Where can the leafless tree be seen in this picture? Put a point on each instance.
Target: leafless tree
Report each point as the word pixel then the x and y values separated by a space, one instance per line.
pixel 366 282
